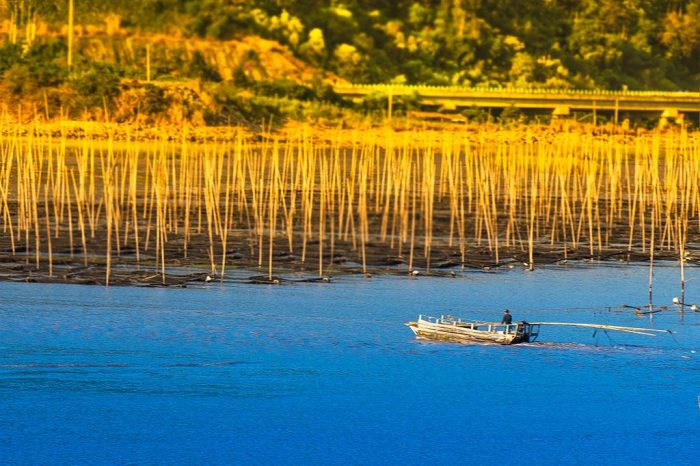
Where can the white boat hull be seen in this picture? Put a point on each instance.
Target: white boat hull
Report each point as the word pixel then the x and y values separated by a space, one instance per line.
pixel 463 332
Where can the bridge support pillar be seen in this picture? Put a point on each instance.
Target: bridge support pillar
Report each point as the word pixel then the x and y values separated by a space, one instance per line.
pixel 670 114
pixel 561 111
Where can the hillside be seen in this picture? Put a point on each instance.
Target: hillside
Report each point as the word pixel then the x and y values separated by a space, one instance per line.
pixel 242 53
pixel 640 44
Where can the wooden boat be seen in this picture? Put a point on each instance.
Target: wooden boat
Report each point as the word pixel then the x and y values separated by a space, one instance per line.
pixel 459 331
pixel 448 328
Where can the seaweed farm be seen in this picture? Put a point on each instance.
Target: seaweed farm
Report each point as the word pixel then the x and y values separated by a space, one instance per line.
pixel 117 210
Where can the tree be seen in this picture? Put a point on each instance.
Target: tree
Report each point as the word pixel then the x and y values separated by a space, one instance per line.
pixel 314 49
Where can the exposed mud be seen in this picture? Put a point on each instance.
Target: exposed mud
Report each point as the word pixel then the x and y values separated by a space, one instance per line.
pixel 243 262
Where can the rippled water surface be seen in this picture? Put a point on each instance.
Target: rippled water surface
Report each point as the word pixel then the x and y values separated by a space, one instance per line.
pixel 328 373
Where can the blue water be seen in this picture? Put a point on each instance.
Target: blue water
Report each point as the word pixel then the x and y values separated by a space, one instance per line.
pixel 327 374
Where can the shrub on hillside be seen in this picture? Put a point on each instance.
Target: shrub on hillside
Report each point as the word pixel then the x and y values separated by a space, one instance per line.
pixel 235 105
pixel 40 67
pixel 285 88
pixel 317 91
pixel 10 54
pixel 197 67
pixel 142 103
pixel 97 84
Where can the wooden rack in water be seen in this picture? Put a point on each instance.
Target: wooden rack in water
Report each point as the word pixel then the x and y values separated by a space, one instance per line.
pixel 422 198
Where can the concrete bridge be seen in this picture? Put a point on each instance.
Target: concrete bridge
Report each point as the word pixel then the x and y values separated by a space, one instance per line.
pixel 559 102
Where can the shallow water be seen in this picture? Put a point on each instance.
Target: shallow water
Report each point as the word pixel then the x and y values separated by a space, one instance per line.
pixel 328 374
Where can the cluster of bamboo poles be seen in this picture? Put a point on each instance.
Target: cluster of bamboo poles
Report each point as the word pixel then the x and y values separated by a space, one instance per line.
pixel 308 192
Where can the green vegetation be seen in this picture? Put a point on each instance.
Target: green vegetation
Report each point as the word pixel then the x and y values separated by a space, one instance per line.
pixel 641 44
pixel 636 44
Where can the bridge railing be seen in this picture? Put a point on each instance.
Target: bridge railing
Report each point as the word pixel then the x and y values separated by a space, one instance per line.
pixel 535 91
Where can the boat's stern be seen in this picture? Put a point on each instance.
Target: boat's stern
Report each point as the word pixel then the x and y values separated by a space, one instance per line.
pixel 526 332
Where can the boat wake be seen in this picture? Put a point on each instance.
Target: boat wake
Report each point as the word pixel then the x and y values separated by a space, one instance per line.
pixel 615 347
pixel 574 347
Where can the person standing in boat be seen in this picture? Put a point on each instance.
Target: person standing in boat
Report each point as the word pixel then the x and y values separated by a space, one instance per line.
pixel 507 318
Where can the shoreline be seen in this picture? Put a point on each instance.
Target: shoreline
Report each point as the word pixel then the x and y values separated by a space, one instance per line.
pixel 189 274
pixel 99 131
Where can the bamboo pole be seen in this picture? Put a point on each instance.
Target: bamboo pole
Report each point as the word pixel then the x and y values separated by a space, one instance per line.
pixel 70 32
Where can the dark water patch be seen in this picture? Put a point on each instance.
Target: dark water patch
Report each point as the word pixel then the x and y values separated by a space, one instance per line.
pixel 59 365
pixel 168 387
pixel 205 364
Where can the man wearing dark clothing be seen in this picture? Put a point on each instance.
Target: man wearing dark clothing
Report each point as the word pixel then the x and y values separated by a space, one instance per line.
pixel 507 318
